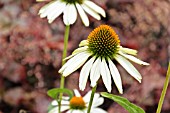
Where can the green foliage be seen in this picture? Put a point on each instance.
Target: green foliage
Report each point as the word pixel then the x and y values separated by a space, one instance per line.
pixel 130 107
pixel 54 93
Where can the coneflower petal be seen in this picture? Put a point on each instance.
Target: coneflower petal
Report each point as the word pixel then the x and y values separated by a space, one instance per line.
pixel 76 92
pixel 91 12
pixel 95 72
pixel 55 13
pixel 133 59
pixel 71 61
pixel 76 64
pixel 70 14
pixel 85 71
pixel 105 73
pixel 76 51
pixel 99 101
pixel 129 67
pixel 128 50
pixel 83 43
pixel 82 15
pixel 55 109
pixel 95 7
pixel 47 7
pixel 116 76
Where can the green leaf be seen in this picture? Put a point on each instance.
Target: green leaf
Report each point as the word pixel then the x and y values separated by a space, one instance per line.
pixel 54 93
pixel 130 107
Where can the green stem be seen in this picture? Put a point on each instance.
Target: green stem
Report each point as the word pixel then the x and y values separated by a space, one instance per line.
pixel 164 90
pixel 91 98
pixel 66 35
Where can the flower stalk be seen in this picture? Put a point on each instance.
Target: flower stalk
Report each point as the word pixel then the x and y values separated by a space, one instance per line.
pixel 164 90
pixel 66 35
pixel 91 98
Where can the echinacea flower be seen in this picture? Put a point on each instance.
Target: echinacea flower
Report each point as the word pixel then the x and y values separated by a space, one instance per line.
pixel 69 9
pixel 101 47
pixel 79 104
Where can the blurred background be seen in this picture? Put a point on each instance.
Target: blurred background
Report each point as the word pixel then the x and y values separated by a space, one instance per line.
pixel 31 49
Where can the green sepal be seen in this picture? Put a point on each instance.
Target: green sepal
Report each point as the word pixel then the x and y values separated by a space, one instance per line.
pixel 130 107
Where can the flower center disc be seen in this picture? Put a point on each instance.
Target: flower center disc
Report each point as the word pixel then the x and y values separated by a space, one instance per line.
pixel 73 1
pixel 77 103
pixel 103 42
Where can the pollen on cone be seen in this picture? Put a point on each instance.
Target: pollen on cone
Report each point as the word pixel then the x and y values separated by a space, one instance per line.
pixel 103 41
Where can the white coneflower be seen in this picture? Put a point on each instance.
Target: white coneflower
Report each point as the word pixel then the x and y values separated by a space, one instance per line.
pixel 79 104
pixel 101 47
pixel 69 9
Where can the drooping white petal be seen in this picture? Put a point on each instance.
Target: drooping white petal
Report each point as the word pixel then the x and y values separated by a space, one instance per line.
pixel 46 7
pixel 83 43
pixel 99 101
pixel 133 59
pixel 95 7
pixel 55 109
pixel 50 8
pixel 70 14
pixel 71 61
pixel 76 92
pixel 86 98
pixel 105 73
pixel 66 14
pixel 54 103
pixel 129 67
pixel 98 110
pixel 82 15
pixel 65 98
pixel 91 12
pixel 96 96
pixel 77 111
pixel 56 13
pixel 65 102
pixel 76 64
pixel 80 49
pixel 128 50
pixel 116 76
pixel 43 9
pixel 76 51
pixel 95 72
pixel 85 73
